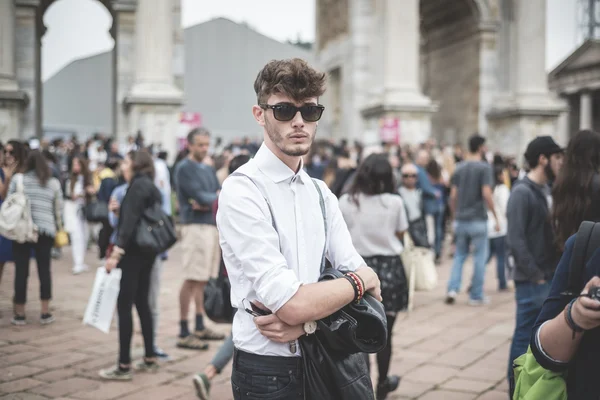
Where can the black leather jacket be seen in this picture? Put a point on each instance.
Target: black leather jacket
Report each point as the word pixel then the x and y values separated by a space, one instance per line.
pixel 141 194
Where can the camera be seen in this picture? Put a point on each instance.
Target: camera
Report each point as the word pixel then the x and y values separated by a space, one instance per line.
pixel 594 293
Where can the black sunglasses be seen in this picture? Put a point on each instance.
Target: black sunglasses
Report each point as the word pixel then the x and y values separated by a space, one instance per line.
pixel 409 175
pixel 287 112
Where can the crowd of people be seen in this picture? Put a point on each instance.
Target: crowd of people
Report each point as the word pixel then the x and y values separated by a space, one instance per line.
pixel 247 209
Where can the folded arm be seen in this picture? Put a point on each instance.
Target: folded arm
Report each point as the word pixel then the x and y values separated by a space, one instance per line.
pixel 245 225
pixel 191 187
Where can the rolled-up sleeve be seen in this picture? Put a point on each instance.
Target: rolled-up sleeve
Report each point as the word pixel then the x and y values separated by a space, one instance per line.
pixel 340 250
pixel 245 227
pixel 552 307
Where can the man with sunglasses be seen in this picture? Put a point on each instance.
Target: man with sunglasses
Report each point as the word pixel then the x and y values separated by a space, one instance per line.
pixel 272 236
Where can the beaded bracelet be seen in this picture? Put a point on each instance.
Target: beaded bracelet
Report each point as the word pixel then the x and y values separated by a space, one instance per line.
pixel 354 286
pixel 359 284
pixel 569 318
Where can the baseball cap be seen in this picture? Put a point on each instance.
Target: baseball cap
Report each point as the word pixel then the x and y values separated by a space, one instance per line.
pixel 542 145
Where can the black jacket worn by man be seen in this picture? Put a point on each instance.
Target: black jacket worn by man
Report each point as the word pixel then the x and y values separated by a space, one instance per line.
pixel 530 238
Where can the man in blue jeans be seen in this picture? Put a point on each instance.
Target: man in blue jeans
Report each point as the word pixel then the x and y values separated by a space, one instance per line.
pixel 470 192
pixel 530 240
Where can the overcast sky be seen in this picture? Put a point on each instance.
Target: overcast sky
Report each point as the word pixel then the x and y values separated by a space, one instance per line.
pixel 70 36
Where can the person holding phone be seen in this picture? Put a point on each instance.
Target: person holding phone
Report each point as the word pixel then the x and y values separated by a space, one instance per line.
pixel 272 236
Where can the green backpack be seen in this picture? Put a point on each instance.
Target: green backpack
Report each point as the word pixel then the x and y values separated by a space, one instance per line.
pixel 532 381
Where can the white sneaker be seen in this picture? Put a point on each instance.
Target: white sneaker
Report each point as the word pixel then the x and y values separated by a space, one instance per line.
pixel 451 297
pixel 78 269
pixel 480 302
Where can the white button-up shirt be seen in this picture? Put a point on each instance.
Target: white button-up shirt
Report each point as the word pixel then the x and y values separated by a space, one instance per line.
pixel 268 264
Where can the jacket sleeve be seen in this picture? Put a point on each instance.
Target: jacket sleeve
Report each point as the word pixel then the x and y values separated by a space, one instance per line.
pixel 552 307
pixel 425 185
pixel 517 217
pixel 132 207
pixel 191 187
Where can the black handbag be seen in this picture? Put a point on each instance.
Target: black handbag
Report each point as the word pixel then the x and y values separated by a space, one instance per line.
pixel 217 298
pixel 155 232
pixel 331 374
pixel 417 230
pixel 96 211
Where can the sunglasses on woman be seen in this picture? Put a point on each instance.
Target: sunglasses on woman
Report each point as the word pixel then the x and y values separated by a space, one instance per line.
pixel 286 112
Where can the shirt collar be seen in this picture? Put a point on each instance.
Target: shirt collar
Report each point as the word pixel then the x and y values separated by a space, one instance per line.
pixel 274 168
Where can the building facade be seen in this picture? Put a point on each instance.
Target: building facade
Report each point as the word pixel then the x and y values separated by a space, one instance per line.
pixel 441 69
pixel 147 33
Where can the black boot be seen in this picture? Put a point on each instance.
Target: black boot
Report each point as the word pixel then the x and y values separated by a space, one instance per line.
pixel 386 387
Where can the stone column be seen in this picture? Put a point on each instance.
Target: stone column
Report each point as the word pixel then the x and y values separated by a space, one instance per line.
pixel 529 109
pixel 395 68
pixel 361 20
pixel 154 100
pixel 11 99
pixel 585 111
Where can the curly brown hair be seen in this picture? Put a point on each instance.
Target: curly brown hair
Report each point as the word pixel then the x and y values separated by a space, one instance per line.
pixel 293 78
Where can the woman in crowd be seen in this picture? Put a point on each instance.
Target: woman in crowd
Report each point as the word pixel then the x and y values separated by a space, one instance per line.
pixel 576 190
pixel 497 238
pixel 434 172
pixel 45 198
pixel 377 220
pixel 13 161
pixel 136 266
pixel 78 189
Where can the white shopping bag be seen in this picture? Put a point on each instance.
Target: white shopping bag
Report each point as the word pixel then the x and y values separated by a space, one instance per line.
pixel 102 303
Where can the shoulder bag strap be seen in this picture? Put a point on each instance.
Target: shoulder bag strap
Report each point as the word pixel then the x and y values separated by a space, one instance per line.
pixel 20 188
pixel 581 251
pixel 266 200
pixel 324 214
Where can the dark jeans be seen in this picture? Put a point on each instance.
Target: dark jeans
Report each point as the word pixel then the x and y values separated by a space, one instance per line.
pixel 134 289
pixel 438 219
pixel 104 238
pixel 22 254
pixel 266 377
pixel 498 249
pixel 530 298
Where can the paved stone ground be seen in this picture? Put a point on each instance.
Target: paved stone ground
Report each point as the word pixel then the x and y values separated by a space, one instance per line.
pixel 443 352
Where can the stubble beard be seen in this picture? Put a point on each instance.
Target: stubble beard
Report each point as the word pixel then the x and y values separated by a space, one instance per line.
pixel 278 140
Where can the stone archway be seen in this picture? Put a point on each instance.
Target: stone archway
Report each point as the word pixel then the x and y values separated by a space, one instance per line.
pixel 453 67
pixel 112 99
pixel 146 34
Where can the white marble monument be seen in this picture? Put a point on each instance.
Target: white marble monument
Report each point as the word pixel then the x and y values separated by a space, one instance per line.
pixel 436 68
pixel 146 33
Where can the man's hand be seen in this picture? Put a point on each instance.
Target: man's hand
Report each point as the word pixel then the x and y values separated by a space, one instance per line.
pixel 113 205
pixel 586 311
pixel 198 207
pixel 271 327
pixel 111 264
pixel 373 286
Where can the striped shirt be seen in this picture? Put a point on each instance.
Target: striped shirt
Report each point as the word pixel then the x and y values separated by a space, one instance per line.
pixel 45 201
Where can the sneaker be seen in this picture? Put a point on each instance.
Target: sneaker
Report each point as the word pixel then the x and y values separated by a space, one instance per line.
pixel 202 385
pixel 46 319
pixel 191 342
pixel 143 366
pixel 209 334
pixel 116 374
pixel 18 320
pixel 479 302
pixel 389 385
pixel 451 297
pixel 161 355
pixel 78 269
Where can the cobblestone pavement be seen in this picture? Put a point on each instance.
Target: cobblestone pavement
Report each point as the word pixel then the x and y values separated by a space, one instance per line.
pixel 442 352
